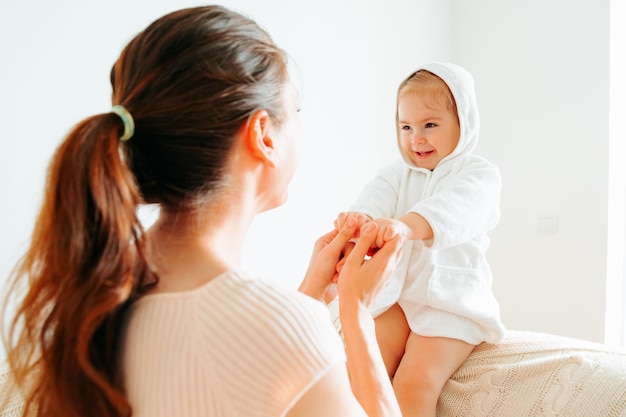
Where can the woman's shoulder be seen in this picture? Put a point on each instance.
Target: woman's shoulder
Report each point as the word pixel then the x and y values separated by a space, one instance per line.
pixel 268 299
pixel 252 313
pixel 258 309
pixel 266 337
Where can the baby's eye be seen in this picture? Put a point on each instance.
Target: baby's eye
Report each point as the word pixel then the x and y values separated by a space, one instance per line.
pixel 430 124
pixel 405 127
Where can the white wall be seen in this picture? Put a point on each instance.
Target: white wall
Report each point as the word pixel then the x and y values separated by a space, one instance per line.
pixel 541 69
pixel 615 317
pixel 56 58
pixel 353 54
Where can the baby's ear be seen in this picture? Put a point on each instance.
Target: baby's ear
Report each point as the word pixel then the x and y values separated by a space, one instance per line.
pixel 258 138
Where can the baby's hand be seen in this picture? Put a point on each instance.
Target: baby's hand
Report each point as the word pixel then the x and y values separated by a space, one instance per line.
pixel 342 217
pixel 390 228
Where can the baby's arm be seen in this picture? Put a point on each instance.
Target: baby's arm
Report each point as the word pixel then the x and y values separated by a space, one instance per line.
pixel 418 225
pixel 411 226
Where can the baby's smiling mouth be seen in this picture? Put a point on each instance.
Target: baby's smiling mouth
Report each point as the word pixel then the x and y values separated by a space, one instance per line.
pixel 423 154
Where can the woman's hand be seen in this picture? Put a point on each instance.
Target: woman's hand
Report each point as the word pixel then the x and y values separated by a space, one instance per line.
pixel 362 277
pixel 340 265
pixel 389 228
pixel 321 277
pixel 361 280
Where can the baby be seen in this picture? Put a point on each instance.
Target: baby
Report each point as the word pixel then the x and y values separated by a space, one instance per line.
pixel 443 200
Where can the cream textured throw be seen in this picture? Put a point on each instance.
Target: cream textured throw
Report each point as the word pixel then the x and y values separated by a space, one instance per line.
pixel 11 402
pixel 537 374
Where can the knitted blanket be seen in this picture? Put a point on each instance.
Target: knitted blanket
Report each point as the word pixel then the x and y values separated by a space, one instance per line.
pixel 536 374
pixel 11 402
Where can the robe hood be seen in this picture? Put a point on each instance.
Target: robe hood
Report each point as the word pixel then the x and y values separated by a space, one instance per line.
pixel 461 84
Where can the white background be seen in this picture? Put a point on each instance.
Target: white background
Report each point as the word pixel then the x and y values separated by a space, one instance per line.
pixel 542 79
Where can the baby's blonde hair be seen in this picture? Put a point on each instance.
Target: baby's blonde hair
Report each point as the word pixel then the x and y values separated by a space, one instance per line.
pixel 430 85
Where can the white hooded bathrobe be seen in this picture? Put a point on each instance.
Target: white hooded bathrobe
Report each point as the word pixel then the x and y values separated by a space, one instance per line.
pixel 443 284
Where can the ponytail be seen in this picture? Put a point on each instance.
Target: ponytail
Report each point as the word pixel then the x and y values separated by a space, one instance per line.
pixel 81 272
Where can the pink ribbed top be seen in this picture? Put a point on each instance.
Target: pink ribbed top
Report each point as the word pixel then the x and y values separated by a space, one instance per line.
pixel 234 347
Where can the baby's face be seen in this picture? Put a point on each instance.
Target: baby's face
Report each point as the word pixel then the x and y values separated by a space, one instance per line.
pixel 428 131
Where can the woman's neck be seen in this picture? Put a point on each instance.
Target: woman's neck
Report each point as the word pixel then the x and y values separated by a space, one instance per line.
pixel 187 250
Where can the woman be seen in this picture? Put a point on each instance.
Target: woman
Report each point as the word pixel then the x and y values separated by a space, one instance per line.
pixel 118 321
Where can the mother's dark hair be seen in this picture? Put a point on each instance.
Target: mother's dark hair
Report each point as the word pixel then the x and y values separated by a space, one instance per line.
pixel 190 80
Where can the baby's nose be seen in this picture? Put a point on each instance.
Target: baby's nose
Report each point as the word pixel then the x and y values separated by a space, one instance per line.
pixel 417 139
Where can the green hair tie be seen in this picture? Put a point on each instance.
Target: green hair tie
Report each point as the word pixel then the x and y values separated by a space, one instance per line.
pixel 127 119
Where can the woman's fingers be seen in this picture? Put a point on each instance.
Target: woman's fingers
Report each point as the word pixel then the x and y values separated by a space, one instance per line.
pixel 347 232
pixel 328 250
pixel 363 277
pixel 340 220
pixel 366 240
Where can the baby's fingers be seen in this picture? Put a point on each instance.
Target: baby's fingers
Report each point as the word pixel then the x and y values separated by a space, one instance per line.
pixel 391 249
pixel 390 233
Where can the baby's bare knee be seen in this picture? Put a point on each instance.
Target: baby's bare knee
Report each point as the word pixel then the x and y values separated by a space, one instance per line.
pixel 419 390
pixel 416 399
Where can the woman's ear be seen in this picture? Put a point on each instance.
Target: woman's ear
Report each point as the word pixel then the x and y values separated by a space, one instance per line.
pixel 258 139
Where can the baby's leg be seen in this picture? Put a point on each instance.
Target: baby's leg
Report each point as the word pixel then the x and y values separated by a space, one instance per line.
pixel 426 366
pixel 392 332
